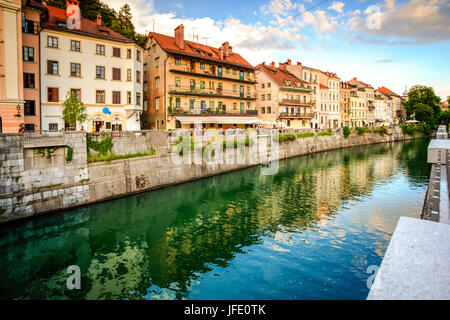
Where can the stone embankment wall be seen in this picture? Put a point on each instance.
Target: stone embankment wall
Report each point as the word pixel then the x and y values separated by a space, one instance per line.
pixel 33 182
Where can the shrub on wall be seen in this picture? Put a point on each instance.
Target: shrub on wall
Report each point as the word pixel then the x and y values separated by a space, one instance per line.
pixel 347 132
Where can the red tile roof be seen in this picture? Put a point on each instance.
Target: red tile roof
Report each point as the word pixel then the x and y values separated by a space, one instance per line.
pixel 444 104
pixel 330 75
pixel 360 82
pixel 87 27
pixel 280 77
pixel 387 92
pixel 167 43
pixel 322 86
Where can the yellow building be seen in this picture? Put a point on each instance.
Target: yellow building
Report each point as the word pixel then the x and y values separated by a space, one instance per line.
pixel 344 95
pixel 188 83
pixel 282 97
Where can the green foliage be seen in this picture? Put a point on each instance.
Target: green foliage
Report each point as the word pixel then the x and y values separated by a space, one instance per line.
pixel 381 131
pixel 325 133
pixel 73 111
pixel 347 132
pixel 305 135
pixel 111 157
pixel 444 118
pixel 102 147
pixel 286 137
pixel 424 113
pixel 170 108
pixel 419 96
pixel 421 129
pixel 69 155
pixel 362 130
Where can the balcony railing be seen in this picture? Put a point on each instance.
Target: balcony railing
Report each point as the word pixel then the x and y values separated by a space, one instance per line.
pixel 213 93
pixel 207 112
pixel 209 73
pixel 297 115
pixel 294 102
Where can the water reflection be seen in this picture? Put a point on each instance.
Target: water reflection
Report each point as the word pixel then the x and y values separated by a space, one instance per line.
pixel 310 231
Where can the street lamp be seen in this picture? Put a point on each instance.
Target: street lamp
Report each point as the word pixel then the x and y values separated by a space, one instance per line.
pixel 18 111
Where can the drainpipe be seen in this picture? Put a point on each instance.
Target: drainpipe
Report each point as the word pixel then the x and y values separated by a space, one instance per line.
pixel 165 88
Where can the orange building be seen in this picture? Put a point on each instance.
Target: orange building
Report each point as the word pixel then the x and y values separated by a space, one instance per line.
pixel 19 65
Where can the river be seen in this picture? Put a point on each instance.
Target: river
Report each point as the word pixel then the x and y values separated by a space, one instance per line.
pixel 311 231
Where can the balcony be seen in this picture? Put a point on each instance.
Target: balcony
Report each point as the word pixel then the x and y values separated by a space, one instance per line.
pixel 207 112
pixel 188 69
pixel 298 103
pixel 296 115
pixel 211 93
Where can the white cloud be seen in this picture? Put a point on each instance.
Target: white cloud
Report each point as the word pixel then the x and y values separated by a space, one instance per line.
pixel 278 7
pixel 337 6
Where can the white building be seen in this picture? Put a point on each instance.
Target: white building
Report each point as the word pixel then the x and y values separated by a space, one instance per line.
pixel 103 68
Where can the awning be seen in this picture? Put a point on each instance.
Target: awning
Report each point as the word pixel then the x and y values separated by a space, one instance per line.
pixel 221 120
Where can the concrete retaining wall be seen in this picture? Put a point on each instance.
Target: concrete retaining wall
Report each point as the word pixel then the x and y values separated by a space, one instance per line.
pixel 56 184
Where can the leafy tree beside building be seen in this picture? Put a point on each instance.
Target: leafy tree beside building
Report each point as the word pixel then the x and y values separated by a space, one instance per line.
pixel 423 103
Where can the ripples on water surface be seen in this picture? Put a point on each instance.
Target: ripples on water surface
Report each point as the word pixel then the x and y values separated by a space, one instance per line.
pixel 308 232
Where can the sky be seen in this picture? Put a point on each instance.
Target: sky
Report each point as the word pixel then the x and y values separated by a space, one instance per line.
pixel 391 43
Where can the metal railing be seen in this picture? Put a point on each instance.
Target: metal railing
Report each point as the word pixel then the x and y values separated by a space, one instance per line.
pixel 208 72
pixel 217 92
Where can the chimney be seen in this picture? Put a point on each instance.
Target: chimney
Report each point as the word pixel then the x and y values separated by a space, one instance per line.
pixel 272 64
pixel 221 53
pixel 280 65
pixel 354 79
pixel 299 63
pixel 226 49
pixel 289 62
pixel 99 19
pixel 179 36
pixel 72 3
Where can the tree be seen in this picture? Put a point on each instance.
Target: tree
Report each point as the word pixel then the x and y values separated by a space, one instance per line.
pixel 423 95
pixel 73 111
pixel 424 113
pixel 445 117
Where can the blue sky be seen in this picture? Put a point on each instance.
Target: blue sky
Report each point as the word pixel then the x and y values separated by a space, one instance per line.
pixel 387 42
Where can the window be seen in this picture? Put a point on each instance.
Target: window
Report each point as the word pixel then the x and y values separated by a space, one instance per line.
pixel 227 70
pixel 29 26
pixel 128 74
pixel 202 84
pixel 30 107
pixel 263 97
pixel 75 45
pixel 156 82
pixel 138 55
pixel 53 127
pixel 145 86
pixel 248 91
pixel 157 103
pixel 52 67
pixel 76 93
pixel 116 74
pixel 234 88
pixel 177 82
pixel 202 66
pixel 100 72
pixel 145 105
pixel 52 94
pixel 28 80
pixel 52 42
pixel 75 70
pixel 100 96
pixel 129 97
pixel 138 76
pixel 263 110
pixel 116 97
pixel 29 127
pixel 269 110
pixel 138 98
pixel 177 103
pixel 268 85
pixel 177 61
pixel 28 54
pixel 116 52
pixel 100 49
pixel 262 85
pixel 234 73
pixel 156 62
pixel 269 97
pixel 128 53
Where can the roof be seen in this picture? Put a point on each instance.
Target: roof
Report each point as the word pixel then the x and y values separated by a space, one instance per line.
pixel 323 86
pixel 281 77
pixel 56 16
pixel 355 80
pixel 330 75
pixel 167 43
pixel 444 104
pixel 387 92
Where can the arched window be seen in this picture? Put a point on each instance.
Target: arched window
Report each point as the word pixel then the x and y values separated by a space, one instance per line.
pixel 178 124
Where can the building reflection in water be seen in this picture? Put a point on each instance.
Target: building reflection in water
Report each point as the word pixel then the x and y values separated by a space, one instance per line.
pixel 159 245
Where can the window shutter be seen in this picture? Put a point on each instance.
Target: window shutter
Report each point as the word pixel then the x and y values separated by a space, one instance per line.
pixel 49 67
